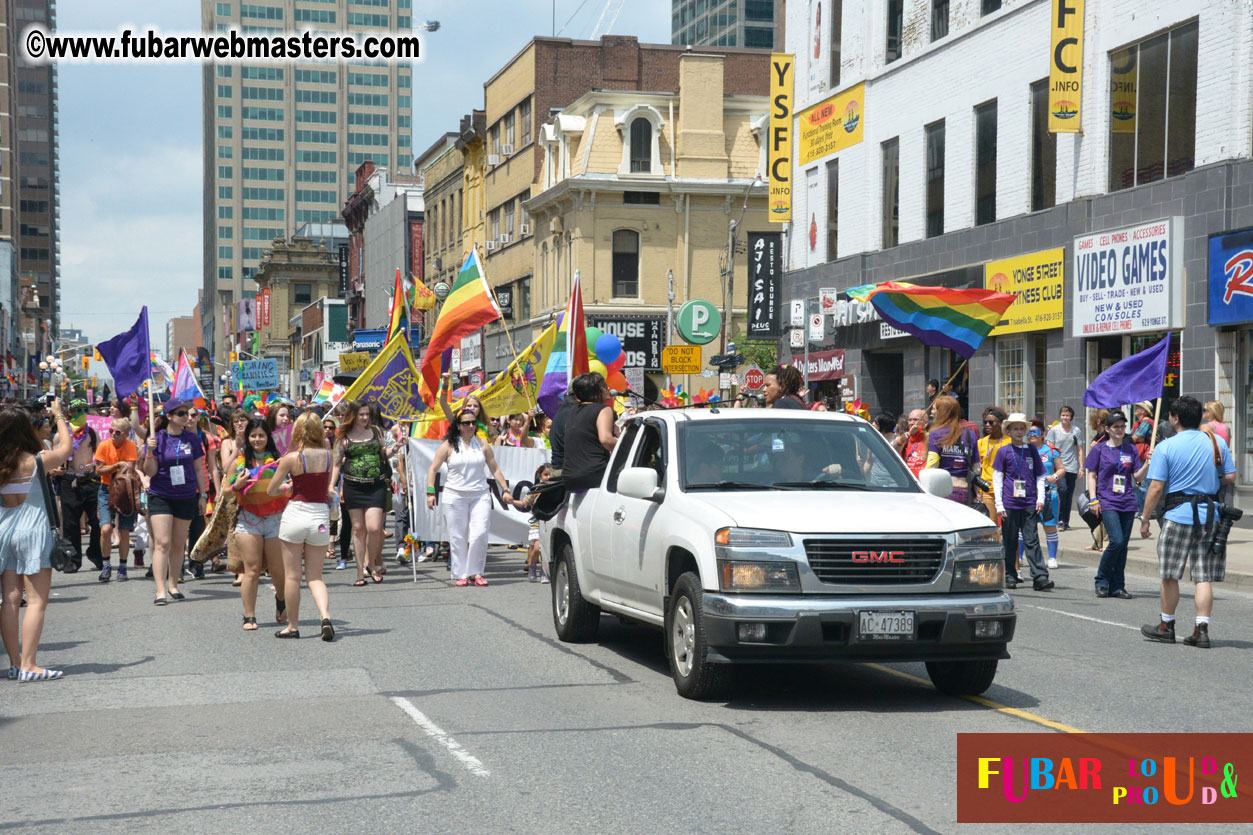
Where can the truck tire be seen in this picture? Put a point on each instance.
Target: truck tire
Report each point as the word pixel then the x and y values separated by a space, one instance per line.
pixel 962 678
pixel 575 619
pixel 695 677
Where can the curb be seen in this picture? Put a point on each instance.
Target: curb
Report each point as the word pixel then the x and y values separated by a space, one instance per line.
pixel 1147 564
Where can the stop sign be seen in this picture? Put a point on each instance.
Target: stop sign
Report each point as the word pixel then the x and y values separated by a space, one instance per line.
pixel 753 378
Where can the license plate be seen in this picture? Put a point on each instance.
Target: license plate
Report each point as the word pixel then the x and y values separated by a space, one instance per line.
pixel 885 626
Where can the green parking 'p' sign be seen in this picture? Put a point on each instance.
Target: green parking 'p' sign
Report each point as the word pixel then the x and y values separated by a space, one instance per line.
pixel 699 322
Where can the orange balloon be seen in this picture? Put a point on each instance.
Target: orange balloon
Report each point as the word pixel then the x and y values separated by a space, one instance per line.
pixel 617 381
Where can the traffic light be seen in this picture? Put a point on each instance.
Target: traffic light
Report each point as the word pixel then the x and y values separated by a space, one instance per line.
pixel 96 355
pixel 86 361
pixel 93 381
pixel 234 356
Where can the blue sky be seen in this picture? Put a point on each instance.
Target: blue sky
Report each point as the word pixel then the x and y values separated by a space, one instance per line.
pixel 131 184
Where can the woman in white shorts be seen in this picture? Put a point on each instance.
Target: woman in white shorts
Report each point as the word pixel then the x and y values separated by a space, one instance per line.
pixel 256 525
pixel 305 529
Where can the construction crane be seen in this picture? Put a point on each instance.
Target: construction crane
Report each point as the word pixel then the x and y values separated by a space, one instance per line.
pixel 608 16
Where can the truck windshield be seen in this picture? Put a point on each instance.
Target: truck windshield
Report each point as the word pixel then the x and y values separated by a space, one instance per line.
pixel 783 454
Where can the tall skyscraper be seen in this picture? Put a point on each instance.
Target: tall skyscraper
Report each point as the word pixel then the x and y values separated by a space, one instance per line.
pixel 38 206
pixel 751 23
pixel 282 140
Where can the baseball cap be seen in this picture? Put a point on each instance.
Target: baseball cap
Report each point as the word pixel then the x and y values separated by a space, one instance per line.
pixel 173 405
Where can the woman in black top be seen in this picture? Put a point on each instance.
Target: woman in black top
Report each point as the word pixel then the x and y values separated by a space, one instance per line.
pixel 589 433
pixel 783 386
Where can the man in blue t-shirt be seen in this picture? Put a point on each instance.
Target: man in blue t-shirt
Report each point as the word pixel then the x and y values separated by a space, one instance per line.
pixel 1186 468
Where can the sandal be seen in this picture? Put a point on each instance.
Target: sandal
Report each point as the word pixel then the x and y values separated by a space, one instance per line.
pixel 282 633
pixel 250 624
pixel 360 582
pixel 464 581
pixel 238 581
pixel 376 577
pixel 218 567
pixel 480 580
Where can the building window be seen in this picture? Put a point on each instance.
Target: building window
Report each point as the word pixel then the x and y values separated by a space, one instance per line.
pixel 892 49
pixel 494 217
pixel 524 122
pixel 225 152
pixel 1039 372
pixel 641 198
pixel 509 219
pixel 1043 150
pixel 990 6
pixel 1153 109
pixel 224 111
pixel 833 209
pixel 985 163
pixel 837 23
pixel 226 252
pixel 226 212
pixel 225 132
pixel 224 91
pixel 226 273
pixel 1009 372
pixel 522 301
pixel 935 179
pixel 641 146
pixel 493 139
pixel 226 172
pixel 226 232
pixel 939 19
pixel 891 193
pixel 302 293
pixel 626 263
pixel 509 129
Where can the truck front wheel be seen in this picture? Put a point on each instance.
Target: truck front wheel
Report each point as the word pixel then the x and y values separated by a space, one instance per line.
pixel 962 678
pixel 695 677
pixel 576 620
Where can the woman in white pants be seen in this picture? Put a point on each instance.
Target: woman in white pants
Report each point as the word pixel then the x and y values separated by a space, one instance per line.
pixel 467 499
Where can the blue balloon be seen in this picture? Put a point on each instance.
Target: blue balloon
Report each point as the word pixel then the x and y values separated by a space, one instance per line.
pixel 607 348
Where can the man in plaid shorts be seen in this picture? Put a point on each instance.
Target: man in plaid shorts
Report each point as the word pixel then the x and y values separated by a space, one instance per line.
pixel 1188 468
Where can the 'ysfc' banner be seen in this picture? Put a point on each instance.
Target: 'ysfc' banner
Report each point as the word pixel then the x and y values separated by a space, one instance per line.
pixel 508 525
pixel 1231 277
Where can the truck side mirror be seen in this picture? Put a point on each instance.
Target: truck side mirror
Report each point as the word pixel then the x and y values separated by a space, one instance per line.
pixel 937 482
pixel 639 483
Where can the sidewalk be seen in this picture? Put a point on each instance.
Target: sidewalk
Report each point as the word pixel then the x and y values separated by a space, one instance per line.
pixel 1142 553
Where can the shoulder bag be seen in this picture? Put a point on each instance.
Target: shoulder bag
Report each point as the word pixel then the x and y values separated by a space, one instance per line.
pixel 63 553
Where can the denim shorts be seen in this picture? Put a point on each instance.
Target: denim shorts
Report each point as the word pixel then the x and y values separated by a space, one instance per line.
pixel 112 517
pixel 265 527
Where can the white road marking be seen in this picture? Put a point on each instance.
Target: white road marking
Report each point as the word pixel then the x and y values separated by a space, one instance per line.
pixel 471 762
pixel 1081 617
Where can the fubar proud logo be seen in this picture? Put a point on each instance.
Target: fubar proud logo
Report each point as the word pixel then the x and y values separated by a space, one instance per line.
pixel 1103 778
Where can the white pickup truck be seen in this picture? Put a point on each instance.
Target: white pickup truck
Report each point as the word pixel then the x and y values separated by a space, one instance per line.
pixel 755 535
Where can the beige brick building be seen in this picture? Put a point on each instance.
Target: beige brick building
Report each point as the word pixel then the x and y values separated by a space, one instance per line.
pixel 295 272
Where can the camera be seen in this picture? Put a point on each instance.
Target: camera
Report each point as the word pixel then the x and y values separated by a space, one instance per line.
pixel 40 403
pixel 1227 516
pixel 981 483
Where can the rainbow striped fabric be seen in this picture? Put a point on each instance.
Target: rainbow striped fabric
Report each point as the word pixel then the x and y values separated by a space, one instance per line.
pixel 939 316
pixel 398 318
pixel 469 306
pixel 569 357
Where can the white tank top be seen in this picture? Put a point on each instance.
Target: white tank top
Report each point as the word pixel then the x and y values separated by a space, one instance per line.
pixel 467 468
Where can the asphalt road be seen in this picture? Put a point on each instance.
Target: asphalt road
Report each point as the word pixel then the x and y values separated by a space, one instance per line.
pixel 456 710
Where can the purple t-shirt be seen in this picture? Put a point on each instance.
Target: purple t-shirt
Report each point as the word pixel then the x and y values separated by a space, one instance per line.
pixel 176 451
pixel 1018 463
pixel 953 458
pixel 1108 462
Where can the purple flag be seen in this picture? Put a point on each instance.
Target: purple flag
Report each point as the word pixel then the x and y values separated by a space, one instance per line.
pixel 1139 377
pixel 126 355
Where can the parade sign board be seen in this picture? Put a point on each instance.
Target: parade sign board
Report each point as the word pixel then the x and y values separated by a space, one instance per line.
pixel 1065 65
pixel 353 362
pixel 256 375
pixel 1128 280
pixel 1037 279
pixel 832 125
pixel 1231 277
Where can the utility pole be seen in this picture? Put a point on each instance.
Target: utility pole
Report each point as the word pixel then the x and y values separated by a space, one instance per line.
pixel 732 233
pixel 669 313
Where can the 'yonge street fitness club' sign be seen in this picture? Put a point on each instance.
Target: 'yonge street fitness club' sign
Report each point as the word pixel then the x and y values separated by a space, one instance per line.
pixel 1128 280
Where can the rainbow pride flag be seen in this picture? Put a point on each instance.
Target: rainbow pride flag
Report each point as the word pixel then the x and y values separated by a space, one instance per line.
pixel 329 392
pixel 398 318
pixel 569 356
pixel 469 306
pixel 939 316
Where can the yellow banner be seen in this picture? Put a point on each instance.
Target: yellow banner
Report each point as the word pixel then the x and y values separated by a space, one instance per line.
pixel 832 125
pixel 1037 279
pixel 351 363
pixel 1122 91
pixel 779 149
pixel 1066 66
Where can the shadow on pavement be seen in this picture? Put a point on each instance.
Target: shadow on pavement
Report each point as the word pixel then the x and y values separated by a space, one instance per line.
pixel 101 669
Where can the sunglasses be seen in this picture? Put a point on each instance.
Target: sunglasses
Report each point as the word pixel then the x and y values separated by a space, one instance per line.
pixel 179 413
pixel 116 432
pixel 989 422
pixel 467 423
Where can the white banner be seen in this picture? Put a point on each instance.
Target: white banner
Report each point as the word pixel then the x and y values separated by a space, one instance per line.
pixel 508 525
pixel 1128 280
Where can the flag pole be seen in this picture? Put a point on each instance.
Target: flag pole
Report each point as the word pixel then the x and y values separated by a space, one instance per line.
pixel 1157 415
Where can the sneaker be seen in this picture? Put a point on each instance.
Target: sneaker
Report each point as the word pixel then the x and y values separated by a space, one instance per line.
pixel 543 578
pixel 121 573
pixel 341 565
pixel 1052 562
pixel 197 571
pixel 532 574
pixel 426 554
pixel 139 558
pixel 1199 637
pixel 1163 633
pixel 106 573
pixel 1042 585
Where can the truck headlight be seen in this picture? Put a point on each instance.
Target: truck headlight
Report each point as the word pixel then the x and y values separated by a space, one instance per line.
pixel 752 538
pixel 977 544
pixel 978 575
pixel 741 575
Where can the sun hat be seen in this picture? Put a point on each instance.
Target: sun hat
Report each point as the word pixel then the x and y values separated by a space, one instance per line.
pixel 1016 417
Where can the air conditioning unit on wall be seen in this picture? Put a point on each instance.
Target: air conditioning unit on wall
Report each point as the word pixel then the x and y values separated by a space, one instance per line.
pixel 506 150
pixel 493 159
pixel 490 245
pixel 524 229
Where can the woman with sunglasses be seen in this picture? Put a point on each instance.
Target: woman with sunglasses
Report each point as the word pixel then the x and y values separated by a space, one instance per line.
pixel 361 451
pixel 177 491
pixel 114 455
pixel 256 527
pixel 467 499
pixel 1113 468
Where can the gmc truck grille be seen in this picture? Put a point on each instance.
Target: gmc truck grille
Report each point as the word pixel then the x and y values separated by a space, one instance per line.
pixel 892 561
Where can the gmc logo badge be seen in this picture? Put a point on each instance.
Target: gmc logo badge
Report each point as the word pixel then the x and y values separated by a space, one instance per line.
pixel 879 556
